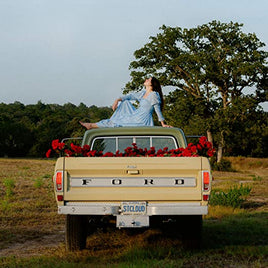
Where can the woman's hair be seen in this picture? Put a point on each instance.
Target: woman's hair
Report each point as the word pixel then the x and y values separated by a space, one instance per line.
pixel 157 87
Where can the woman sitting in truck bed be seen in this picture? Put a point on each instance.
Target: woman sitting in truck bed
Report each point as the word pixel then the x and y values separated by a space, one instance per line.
pixel 127 115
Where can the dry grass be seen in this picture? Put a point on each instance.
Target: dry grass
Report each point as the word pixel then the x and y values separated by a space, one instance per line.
pixel 30 213
pixel 31 229
pixel 246 163
pixel 250 171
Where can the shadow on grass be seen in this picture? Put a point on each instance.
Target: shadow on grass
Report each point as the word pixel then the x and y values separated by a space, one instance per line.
pixel 249 229
pixel 235 241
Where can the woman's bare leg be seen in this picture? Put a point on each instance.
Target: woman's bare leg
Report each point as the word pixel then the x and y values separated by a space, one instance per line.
pixel 89 125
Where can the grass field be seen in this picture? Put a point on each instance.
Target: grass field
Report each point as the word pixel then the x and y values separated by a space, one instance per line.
pixel 32 233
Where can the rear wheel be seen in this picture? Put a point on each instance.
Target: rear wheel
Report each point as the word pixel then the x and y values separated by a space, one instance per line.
pixel 75 232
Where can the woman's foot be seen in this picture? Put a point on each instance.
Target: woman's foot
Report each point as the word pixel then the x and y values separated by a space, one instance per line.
pixel 88 125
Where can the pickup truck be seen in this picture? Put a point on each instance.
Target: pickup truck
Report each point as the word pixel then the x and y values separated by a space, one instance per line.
pixel 132 192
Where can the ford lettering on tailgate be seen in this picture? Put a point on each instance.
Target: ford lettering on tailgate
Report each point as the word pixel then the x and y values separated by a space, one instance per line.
pixel 133 182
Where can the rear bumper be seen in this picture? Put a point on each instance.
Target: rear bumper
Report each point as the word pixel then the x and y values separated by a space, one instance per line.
pixel 80 208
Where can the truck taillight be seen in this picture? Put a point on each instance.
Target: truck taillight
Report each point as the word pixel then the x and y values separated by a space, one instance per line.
pixel 60 197
pixel 205 197
pixel 206 180
pixel 59 181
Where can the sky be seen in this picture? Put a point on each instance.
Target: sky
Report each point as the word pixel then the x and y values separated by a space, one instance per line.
pixel 79 51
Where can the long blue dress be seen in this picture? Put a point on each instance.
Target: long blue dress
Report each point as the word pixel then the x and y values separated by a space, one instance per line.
pixel 127 115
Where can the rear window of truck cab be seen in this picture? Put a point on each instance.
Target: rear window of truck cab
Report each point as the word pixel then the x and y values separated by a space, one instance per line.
pixel 113 144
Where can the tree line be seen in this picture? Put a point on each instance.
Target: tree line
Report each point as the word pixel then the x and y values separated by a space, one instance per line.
pixel 27 130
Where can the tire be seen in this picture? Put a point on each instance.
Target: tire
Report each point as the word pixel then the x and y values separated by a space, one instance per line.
pixel 75 232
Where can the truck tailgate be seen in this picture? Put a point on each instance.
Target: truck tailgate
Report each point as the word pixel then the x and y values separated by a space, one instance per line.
pixel 132 178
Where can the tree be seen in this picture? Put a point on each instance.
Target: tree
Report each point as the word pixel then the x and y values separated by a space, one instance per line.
pixel 16 138
pixel 214 63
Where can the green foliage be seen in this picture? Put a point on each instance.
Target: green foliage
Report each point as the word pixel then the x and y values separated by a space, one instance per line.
pixel 244 125
pixel 210 67
pixel 5 205
pixel 234 197
pixel 214 60
pixel 223 165
pixel 27 130
pixel 257 178
pixel 9 187
pixel 38 183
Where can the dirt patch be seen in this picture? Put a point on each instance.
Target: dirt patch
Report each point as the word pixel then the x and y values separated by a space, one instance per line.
pixel 35 247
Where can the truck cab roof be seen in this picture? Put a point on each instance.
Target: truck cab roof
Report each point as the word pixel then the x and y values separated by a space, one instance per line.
pixel 177 133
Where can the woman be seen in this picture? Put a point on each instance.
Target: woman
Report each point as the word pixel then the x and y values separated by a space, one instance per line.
pixel 127 115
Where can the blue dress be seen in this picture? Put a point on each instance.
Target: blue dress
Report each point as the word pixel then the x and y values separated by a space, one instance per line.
pixel 127 115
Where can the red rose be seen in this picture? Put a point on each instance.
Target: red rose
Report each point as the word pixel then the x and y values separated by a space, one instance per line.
pixel 55 144
pixel 159 151
pixel 202 141
pixel 193 149
pixel 61 145
pixel 210 152
pixel 108 154
pixel 68 152
pixel 86 147
pixel 208 145
pixel 48 153
pixel 186 152
pixel 76 149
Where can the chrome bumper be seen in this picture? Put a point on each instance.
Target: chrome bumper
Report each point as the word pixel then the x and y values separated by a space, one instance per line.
pixel 84 208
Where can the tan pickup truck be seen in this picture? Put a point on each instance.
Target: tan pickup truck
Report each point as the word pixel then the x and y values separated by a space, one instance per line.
pixel 132 192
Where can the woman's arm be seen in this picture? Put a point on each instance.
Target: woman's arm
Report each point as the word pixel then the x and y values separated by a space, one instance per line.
pixel 131 96
pixel 115 104
pixel 160 116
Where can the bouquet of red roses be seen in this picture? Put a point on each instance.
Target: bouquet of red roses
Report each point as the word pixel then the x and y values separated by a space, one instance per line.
pixel 202 148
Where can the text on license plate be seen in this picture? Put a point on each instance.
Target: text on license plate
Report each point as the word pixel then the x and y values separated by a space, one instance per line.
pixel 133 208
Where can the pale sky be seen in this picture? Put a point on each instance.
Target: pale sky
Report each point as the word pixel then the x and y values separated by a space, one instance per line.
pixel 61 51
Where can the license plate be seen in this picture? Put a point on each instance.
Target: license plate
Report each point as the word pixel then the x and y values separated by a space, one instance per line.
pixel 133 208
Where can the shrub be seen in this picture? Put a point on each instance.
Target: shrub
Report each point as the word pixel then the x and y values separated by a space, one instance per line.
pixel 223 165
pixel 9 185
pixel 38 183
pixel 258 178
pixel 234 197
